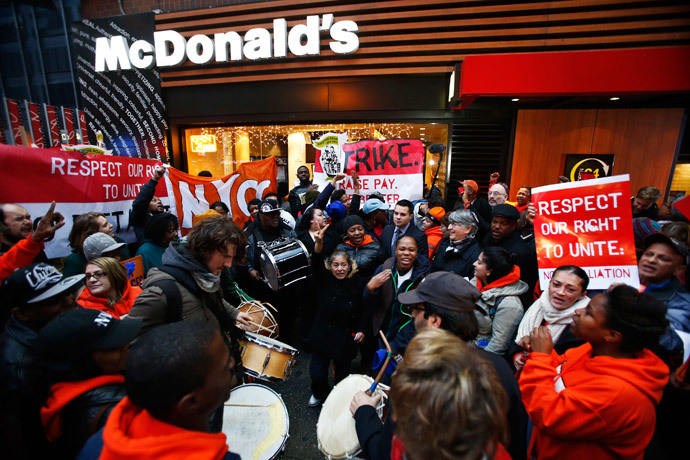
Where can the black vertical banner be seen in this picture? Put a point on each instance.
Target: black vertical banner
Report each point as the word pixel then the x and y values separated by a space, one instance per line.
pixel 125 105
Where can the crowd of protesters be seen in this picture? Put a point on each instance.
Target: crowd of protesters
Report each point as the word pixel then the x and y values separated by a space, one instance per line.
pixel 485 365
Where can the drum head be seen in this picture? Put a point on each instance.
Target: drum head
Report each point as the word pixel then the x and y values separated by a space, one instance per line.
pixel 270 343
pixel 270 269
pixel 335 429
pixel 256 422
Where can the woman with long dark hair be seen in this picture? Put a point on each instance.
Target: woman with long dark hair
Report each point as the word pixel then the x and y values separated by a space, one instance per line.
pixel 84 226
pixel 499 309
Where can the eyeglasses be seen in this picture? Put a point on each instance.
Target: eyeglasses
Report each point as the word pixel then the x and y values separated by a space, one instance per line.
pixel 408 309
pixel 496 194
pixel 95 275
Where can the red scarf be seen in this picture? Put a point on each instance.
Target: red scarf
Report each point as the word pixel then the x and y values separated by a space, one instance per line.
pixel 510 278
pixel 132 433
pixel 63 393
pixel 521 208
pixel 367 239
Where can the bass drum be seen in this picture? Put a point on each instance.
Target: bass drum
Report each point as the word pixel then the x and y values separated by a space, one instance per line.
pixel 285 262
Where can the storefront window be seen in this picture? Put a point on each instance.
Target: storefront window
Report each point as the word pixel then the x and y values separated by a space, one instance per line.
pixel 221 149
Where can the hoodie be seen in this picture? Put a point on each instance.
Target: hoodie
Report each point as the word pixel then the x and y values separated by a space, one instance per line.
pixel 121 308
pixel 132 433
pixel 434 235
pixel 591 407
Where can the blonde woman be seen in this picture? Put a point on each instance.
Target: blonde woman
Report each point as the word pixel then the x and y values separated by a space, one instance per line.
pixel 107 288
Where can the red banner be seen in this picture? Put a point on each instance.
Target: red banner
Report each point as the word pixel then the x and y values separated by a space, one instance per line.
pixel 394 167
pixel 194 194
pixel 15 121
pixel 588 224
pixel 35 123
pixel 69 124
pixel 52 125
pixel 82 126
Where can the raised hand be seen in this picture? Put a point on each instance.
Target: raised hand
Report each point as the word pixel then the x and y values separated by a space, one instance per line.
pixel 48 225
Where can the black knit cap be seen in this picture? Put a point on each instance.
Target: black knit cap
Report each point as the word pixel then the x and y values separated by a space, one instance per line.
pixel 349 221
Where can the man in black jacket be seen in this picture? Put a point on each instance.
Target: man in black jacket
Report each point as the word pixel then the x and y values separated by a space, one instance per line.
pixel 34 295
pixel 146 204
pixel 442 300
pixel 403 226
pixel 505 234
pixel 295 196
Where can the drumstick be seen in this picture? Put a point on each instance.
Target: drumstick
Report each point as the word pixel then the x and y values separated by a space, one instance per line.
pixel 259 326
pixel 371 389
pixel 246 405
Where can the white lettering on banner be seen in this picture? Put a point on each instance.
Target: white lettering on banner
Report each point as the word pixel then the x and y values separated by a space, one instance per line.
pixel 242 192
pixel 171 49
pixel 579 204
pixel 86 168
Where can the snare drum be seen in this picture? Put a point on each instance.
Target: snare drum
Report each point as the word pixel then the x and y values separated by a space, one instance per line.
pixel 268 326
pixel 267 359
pixel 256 422
pixel 284 262
pixel 335 429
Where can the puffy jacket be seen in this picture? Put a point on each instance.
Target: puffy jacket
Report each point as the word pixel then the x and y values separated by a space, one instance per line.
pixel 366 256
pixel 594 407
pixel 500 314
pixel 122 307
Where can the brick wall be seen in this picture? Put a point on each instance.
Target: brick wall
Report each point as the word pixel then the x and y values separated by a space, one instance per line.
pixel 92 9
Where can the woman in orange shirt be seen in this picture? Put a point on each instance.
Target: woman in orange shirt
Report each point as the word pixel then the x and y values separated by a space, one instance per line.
pixel 107 288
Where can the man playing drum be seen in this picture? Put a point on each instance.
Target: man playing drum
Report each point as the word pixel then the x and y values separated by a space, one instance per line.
pixel 442 300
pixel 187 285
pixel 269 228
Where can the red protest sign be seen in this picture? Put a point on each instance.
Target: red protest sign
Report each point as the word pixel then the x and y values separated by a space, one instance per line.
pixel 394 167
pixel 588 224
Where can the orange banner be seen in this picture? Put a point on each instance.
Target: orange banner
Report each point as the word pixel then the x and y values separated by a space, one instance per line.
pixel 588 224
pixel 135 270
pixel 193 194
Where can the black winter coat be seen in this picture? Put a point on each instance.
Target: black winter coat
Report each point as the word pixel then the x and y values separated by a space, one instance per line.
pixel 461 263
pixel 367 257
pixel 339 312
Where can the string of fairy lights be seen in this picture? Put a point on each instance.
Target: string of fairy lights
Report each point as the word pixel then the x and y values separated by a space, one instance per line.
pixel 262 137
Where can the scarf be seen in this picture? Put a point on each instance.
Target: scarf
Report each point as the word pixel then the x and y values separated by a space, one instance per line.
pixel 367 240
pixel 542 310
pixel 510 278
pixel 459 246
pixel 521 208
